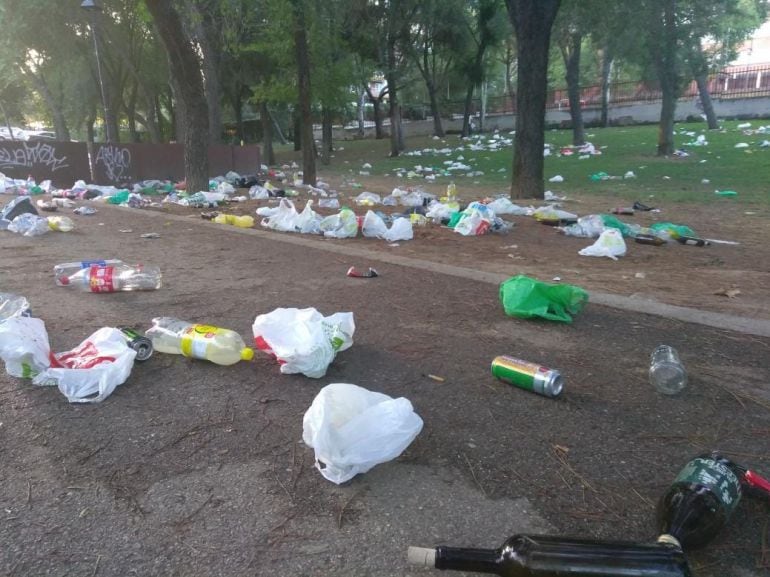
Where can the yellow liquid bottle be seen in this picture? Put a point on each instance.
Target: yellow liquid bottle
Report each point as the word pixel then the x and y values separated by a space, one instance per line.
pixel 207 342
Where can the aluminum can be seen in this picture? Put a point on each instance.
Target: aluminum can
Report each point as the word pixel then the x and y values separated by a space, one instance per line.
pixel 528 376
pixel 142 345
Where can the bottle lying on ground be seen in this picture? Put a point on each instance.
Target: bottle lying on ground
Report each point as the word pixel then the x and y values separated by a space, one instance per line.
pixel 703 497
pixel 220 346
pixel 113 278
pixel 67 269
pixel 546 556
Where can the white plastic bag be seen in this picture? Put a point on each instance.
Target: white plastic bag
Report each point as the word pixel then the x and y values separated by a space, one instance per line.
pixel 401 229
pixel 303 340
pixel 257 192
pixel 29 224
pixel 341 225
pixel 308 222
pixel 352 429
pixel 505 206
pixel 373 226
pixel 610 244
pixel 86 374
pixel 473 223
pixel 368 199
pixel 589 226
pixel 284 219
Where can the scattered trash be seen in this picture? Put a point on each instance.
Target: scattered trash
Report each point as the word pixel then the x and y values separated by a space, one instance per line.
pixel 729 293
pixel 548 554
pixel 141 345
pixel 435 378
pixel 742 145
pixel 650 239
pixel 85 211
pixel 352 430
pixel 629 174
pixel 525 297
pixel 18 206
pixel 88 373
pixel 667 374
pixel 150 235
pixel 368 199
pixel 643 207
pixel 205 342
pixel 303 340
pixel 13 305
pixel 529 376
pixel 610 244
pixel 726 193
pixel 371 273
pixel 60 223
pixel 640 275
pixel 109 278
pixel 374 226
pixel 244 221
pixel 341 225
pixel 692 241
pixel 668 230
pixel 557 178
pixel 28 224
pixel 553 216
pixel 505 206
pixel 623 210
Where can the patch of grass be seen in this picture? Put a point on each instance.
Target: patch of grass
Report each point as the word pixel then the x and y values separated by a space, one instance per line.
pixel 744 170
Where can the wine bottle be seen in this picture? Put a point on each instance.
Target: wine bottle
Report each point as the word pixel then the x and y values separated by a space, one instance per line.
pixel 546 556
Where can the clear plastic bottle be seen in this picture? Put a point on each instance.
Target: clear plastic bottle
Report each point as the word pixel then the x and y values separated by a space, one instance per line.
pixel 113 278
pixel 667 373
pixel 60 223
pixel 177 337
pixel 12 305
pixel 67 269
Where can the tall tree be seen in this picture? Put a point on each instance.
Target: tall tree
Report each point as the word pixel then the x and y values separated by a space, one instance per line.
pixel 532 20
pixel 206 22
pixel 187 83
pixel 304 92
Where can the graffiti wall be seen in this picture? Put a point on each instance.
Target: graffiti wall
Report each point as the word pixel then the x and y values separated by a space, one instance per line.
pixel 60 162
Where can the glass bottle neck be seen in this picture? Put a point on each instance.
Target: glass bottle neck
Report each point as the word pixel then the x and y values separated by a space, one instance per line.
pixel 463 559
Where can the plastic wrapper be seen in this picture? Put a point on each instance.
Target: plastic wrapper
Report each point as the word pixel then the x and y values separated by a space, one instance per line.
pixel 525 297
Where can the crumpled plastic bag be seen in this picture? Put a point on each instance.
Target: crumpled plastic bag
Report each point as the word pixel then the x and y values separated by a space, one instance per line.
pixel 29 224
pixel 257 192
pixel 589 226
pixel 552 213
pixel 341 225
pixel 18 206
pixel 308 221
pixel 303 340
pixel 88 373
pixel 284 218
pixel 438 211
pixel 610 244
pixel 525 298
pixel 352 429
pixel 368 199
pixel 669 230
pixel 505 206
pixel 374 227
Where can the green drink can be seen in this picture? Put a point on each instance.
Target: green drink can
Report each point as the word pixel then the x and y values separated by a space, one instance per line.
pixel 528 376
pixel 141 344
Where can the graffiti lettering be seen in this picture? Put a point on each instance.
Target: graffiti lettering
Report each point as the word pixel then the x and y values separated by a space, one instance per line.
pixel 31 156
pixel 115 161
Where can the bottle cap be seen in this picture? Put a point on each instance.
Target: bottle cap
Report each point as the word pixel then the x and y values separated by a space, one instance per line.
pixel 247 354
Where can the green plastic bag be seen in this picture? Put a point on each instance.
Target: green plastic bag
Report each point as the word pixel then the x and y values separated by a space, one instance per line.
pixel 673 230
pixel 613 222
pixel 119 198
pixel 455 218
pixel 726 193
pixel 525 298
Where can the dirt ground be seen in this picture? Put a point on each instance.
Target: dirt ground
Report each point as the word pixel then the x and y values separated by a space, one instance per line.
pixel 194 469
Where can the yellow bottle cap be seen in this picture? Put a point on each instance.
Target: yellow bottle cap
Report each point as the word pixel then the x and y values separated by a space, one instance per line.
pixel 247 354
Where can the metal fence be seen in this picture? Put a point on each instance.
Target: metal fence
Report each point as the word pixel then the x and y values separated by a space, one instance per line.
pixel 115 163
pixel 730 83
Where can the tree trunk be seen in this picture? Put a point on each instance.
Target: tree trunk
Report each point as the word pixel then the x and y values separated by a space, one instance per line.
pixel 393 108
pixel 267 134
pixel 326 135
pixel 438 129
pixel 361 113
pixel 467 111
pixel 667 74
pixel 572 65
pixel 607 60
pixel 401 145
pixel 131 114
pixel 483 112
pixel 57 114
pixel 277 128
pixel 240 130
pixel 705 99
pixel 90 128
pixel 378 132
pixel 532 20
pixel 206 31
pixel 187 83
pixel 159 118
pixel 304 93
pixel 297 130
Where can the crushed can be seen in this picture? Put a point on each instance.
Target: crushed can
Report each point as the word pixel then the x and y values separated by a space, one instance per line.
pixel 141 344
pixel 529 376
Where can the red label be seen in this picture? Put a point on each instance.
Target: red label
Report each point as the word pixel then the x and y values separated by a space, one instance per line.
pixel 86 356
pixel 100 279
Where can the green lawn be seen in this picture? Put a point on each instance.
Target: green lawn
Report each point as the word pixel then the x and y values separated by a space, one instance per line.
pixel 744 170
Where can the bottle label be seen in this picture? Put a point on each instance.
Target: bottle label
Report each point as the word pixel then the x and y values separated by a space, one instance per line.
pixel 715 476
pixel 90 263
pixel 101 278
pixel 196 338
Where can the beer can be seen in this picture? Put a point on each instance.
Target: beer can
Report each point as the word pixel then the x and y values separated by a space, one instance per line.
pixel 141 344
pixel 529 376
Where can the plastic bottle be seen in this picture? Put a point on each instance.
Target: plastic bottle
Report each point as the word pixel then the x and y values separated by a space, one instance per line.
pixel 667 373
pixel 176 337
pixel 700 501
pixel 67 269
pixel 13 305
pixel 547 556
pixel 60 223
pixel 113 278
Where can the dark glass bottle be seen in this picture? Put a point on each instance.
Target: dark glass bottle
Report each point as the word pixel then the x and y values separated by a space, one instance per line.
pixel 700 501
pixel 545 556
